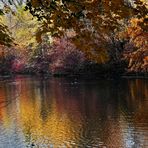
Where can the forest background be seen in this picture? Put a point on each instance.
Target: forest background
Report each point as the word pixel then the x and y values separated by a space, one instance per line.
pixel 98 38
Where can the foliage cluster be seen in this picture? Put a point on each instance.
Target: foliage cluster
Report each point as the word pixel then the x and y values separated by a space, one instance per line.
pixel 65 57
pixel 99 32
pixel 136 51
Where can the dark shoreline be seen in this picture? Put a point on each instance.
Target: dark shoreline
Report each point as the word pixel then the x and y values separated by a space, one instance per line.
pixel 78 76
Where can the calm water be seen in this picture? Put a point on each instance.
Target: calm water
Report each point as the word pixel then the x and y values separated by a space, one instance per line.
pixel 70 113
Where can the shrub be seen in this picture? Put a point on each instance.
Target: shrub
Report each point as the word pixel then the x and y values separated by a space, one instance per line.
pixel 65 57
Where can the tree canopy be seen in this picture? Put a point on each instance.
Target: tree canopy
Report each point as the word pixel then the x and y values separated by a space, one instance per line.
pixel 93 21
pixel 8 6
pixel 105 15
pixel 107 32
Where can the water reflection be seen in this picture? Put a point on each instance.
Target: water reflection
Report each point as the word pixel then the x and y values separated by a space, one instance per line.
pixel 69 113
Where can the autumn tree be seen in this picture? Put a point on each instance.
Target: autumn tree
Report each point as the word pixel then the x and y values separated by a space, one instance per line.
pixel 5 40
pixel 136 49
pixel 23 29
pixel 6 7
pixel 92 21
pixel 5 35
pixel 65 57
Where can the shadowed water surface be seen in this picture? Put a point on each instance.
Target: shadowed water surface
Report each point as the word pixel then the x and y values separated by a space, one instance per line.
pixel 56 112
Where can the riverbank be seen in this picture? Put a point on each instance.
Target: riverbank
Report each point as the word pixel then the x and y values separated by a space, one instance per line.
pixel 91 76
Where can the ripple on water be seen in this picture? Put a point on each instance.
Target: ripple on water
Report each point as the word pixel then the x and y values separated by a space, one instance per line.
pixel 47 114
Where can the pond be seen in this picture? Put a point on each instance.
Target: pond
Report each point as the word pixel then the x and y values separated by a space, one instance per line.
pixel 59 112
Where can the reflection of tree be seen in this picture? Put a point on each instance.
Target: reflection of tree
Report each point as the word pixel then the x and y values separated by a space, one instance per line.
pixel 91 107
pixel 134 95
pixel 133 107
pixel 8 97
pixel 63 112
pixel 45 101
pixel 2 100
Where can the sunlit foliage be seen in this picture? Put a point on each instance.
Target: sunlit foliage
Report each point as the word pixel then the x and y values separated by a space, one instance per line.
pixel 23 27
pixel 5 37
pixel 137 55
pixel 7 6
pixel 90 20
pixel 102 30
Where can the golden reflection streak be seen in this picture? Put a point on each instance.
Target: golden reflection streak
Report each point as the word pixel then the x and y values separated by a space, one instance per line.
pixel 4 112
pixel 50 122
pixel 57 128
